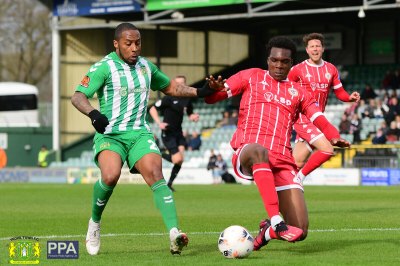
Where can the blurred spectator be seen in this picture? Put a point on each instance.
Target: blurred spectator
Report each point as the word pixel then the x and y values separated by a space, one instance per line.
pixel 42 156
pixel 225 119
pixel 379 138
pixel 394 109
pixel 344 125
pixel 220 166
pixel 380 109
pixel 384 127
pixel 361 108
pixel 393 133
pixel 187 137
pixel 233 119
pixel 369 109
pixel 3 158
pixel 368 93
pixel 397 120
pixel 385 97
pixel 195 141
pixel 355 128
pixel 211 165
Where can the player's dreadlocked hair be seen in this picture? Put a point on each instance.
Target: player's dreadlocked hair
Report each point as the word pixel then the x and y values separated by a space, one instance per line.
pixel 121 28
pixel 281 42
pixel 313 36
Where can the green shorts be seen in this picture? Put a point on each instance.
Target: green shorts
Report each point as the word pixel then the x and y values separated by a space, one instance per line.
pixel 131 146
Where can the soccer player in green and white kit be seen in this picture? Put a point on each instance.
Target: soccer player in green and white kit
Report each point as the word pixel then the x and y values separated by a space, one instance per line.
pixel 122 81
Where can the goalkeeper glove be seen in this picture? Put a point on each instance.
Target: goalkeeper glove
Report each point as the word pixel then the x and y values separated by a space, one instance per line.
pixel 99 121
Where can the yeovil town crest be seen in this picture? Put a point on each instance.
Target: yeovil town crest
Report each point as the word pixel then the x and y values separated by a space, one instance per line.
pixel 24 250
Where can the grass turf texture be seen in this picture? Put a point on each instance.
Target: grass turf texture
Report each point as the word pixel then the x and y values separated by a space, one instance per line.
pixel 348 225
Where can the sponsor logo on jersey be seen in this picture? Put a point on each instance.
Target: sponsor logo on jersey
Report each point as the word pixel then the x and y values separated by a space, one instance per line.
pixel 328 76
pixel 143 70
pixel 318 86
pixel 105 145
pixel 85 82
pixel 293 92
pixel 271 97
pixel 123 91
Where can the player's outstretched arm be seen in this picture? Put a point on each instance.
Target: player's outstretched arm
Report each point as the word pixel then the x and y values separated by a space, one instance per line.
pixel 342 95
pixel 181 90
pixel 330 132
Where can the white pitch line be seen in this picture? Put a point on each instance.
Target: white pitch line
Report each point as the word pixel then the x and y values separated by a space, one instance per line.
pixel 209 233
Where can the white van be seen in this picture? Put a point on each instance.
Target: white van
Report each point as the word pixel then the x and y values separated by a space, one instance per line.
pixel 18 105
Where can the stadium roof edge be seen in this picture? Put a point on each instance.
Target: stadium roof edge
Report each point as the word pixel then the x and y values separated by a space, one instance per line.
pixel 239 11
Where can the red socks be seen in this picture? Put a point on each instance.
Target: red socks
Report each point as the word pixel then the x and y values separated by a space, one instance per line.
pixel 316 159
pixel 265 182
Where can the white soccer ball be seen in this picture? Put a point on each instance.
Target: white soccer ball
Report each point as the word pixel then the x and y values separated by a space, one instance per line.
pixel 235 242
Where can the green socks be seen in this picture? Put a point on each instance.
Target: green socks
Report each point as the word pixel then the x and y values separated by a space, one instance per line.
pixel 165 203
pixel 101 194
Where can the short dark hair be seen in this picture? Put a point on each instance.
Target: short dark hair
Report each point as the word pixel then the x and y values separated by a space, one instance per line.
pixel 313 36
pixel 281 42
pixel 123 27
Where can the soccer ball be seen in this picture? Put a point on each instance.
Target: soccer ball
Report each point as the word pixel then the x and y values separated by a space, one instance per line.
pixel 235 242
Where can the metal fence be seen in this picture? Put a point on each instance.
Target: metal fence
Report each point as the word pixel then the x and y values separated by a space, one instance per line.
pixel 371 156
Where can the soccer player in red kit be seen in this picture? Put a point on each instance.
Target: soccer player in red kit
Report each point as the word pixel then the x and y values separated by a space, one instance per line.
pixel 318 77
pixel 269 107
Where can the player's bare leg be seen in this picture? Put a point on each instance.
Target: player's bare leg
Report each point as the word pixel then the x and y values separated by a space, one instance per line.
pixel 301 152
pixel 294 209
pixel 254 159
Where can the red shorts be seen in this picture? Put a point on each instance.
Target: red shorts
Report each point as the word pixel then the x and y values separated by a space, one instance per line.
pixel 307 131
pixel 283 168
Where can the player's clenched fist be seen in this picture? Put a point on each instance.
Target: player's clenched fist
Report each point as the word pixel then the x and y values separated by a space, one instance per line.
pixel 99 121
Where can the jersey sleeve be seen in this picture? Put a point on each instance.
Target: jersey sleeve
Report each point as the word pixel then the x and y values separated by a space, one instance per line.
pixel 293 74
pixel 237 82
pixel 336 83
pixel 309 106
pixel 159 80
pixel 94 80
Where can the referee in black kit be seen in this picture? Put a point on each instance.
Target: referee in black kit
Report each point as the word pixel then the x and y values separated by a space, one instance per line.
pixel 173 109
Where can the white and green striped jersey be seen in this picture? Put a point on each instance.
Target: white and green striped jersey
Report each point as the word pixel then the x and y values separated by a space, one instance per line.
pixel 123 90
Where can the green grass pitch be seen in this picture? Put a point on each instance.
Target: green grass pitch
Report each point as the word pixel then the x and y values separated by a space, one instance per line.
pixel 348 225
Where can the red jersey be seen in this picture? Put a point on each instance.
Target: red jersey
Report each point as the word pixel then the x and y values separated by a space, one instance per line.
pixel 268 109
pixel 317 79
